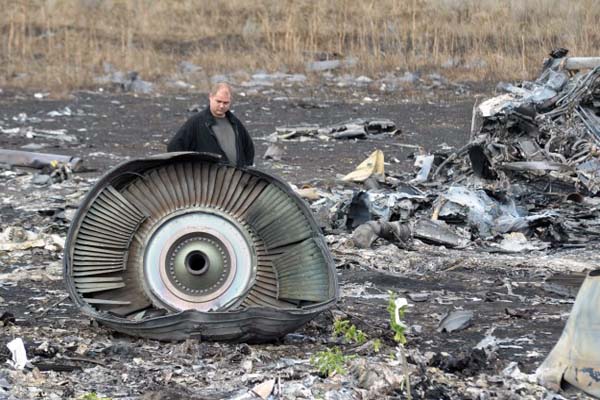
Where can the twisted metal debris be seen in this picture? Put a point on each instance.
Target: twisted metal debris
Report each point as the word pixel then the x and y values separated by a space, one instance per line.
pixel 547 131
pixel 177 246
pixel 546 134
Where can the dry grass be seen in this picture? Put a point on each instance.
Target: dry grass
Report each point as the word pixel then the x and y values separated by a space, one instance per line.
pixel 63 43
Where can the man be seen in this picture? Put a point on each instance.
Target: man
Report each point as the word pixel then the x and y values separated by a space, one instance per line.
pixel 216 130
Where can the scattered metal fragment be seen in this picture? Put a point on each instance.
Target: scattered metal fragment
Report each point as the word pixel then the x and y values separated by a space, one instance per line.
pixel 578 63
pixel 16 234
pixel 456 320
pixel 477 208
pixel 292 132
pixel 65 112
pixel 330 64
pixel 372 166
pixel 38 160
pixel 353 129
pixel 19 356
pixel 15 238
pixel 376 126
pixel 178 246
pixel 264 390
pixel 274 152
pixel 575 359
pixel 437 232
pixel 519 312
pixel 425 164
pixel 419 297
pixel 308 193
pixel 30 133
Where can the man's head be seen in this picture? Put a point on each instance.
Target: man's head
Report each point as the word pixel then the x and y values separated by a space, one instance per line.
pixel 220 99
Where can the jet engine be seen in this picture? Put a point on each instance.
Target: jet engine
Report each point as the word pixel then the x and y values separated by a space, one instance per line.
pixel 180 246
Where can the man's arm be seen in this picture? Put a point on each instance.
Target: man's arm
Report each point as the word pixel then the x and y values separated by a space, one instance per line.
pixel 248 145
pixel 250 150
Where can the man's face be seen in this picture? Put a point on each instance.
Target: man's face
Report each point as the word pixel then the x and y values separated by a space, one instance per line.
pixel 220 103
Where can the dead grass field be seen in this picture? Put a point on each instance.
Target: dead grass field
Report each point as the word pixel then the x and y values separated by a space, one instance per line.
pixel 63 43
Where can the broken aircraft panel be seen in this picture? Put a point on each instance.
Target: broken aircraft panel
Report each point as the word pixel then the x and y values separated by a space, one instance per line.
pixel 178 245
pixel 574 360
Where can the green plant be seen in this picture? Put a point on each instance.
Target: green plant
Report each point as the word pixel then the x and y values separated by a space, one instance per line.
pixel 343 327
pixel 377 345
pixel 93 396
pixel 396 311
pixel 330 361
pixel 396 307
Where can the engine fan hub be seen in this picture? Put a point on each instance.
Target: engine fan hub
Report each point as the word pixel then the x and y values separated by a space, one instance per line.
pixel 204 261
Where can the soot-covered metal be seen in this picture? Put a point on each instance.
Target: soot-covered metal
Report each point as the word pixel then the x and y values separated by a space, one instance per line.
pixel 178 245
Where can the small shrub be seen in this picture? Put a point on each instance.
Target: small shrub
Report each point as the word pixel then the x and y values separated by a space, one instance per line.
pixel 350 333
pixel 329 362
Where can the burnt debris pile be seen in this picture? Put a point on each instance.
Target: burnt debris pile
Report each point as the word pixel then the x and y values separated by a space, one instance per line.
pixel 546 132
pixel 526 180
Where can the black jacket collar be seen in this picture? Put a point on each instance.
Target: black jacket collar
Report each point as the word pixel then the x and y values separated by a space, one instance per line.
pixel 210 118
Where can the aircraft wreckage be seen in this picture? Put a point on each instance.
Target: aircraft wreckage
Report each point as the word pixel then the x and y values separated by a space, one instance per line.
pixel 180 246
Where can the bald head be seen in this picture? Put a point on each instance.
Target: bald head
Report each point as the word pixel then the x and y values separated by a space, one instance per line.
pixel 220 86
pixel 220 99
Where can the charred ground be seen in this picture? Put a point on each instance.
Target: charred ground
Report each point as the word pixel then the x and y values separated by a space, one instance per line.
pixel 73 356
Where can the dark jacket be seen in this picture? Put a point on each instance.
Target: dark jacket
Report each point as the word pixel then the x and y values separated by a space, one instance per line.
pixel 197 135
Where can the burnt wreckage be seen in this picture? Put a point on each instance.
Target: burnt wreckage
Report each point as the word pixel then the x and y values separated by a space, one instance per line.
pixel 178 245
pixel 547 131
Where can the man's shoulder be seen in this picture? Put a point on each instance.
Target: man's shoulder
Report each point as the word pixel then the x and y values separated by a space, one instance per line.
pixel 233 119
pixel 201 115
pixel 195 123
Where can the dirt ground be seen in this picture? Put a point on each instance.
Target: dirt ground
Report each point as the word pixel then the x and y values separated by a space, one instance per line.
pixel 74 357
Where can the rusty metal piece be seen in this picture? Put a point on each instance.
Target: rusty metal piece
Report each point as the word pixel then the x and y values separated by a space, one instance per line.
pixel 37 160
pixel 575 360
pixel 178 245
